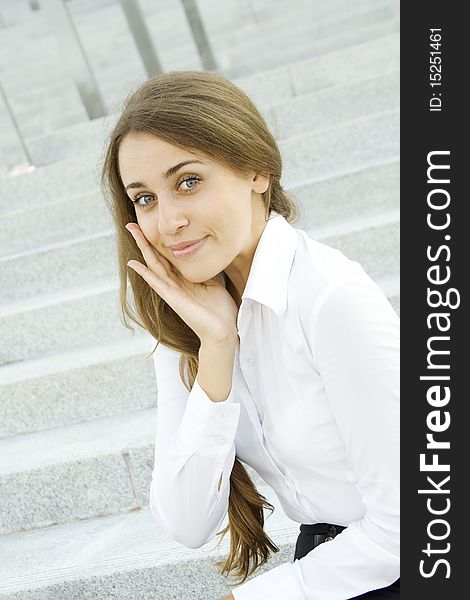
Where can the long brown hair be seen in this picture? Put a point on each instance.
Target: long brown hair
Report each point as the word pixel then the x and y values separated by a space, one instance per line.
pixel 197 111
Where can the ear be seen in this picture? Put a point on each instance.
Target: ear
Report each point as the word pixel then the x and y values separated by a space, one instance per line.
pixel 260 182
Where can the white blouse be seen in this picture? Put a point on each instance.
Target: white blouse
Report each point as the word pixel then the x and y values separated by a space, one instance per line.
pixel 313 408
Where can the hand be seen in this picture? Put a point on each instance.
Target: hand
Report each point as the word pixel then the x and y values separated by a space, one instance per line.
pixel 206 307
pixel 229 597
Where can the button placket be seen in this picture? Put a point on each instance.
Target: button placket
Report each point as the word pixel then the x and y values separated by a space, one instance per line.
pixel 248 360
pixel 245 356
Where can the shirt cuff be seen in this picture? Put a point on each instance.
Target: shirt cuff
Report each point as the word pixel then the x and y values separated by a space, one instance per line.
pixel 278 583
pixel 208 427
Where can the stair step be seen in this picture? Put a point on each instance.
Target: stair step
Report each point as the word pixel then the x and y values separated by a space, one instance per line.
pixel 102 557
pixel 371 191
pixel 237 58
pixel 59 181
pixel 80 471
pixel 334 106
pixel 368 60
pixel 290 116
pixel 305 42
pixel 92 382
pixel 375 247
pixel 85 470
pixel 171 33
pixel 338 150
pixel 244 19
pixel 371 58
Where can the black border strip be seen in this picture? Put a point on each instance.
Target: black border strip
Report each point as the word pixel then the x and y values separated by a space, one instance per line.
pixel 434 271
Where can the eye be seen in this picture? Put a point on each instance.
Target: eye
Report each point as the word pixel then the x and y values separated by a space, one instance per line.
pixel 138 197
pixel 194 179
pixel 191 178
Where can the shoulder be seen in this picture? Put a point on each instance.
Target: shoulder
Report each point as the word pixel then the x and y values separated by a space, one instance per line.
pixel 328 289
pixel 317 270
pixel 327 286
pixel 336 303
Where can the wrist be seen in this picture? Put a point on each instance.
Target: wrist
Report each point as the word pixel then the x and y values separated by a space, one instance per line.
pixel 221 340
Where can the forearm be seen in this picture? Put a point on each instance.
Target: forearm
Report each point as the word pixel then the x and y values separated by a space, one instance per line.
pixel 194 450
pixel 216 367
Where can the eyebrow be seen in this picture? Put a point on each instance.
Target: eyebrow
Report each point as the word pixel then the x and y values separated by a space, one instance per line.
pixel 171 171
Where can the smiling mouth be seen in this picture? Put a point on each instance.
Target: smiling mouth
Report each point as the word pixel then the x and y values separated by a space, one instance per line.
pixel 188 250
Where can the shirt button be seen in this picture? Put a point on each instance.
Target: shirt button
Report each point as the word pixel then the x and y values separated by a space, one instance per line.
pixel 220 441
pixel 250 360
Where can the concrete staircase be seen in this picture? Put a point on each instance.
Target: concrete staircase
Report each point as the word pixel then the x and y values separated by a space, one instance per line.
pixel 78 399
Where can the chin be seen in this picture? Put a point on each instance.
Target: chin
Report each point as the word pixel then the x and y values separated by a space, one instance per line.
pixel 195 275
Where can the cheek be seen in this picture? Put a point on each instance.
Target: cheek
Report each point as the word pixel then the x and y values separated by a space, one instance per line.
pixel 149 230
pixel 153 238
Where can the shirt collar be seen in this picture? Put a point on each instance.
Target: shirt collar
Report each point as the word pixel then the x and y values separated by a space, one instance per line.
pixel 269 274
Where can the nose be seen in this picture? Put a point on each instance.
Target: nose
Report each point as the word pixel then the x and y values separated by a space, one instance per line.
pixel 170 217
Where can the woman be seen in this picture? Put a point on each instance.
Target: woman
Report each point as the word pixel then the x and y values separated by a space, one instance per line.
pixel 272 348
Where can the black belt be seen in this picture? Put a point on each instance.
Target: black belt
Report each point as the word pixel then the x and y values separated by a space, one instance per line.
pixel 321 532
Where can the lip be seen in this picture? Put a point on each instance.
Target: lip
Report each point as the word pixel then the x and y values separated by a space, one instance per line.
pixel 188 250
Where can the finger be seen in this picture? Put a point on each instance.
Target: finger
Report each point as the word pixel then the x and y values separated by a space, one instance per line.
pixel 155 261
pixel 170 293
pixel 151 255
pixel 155 282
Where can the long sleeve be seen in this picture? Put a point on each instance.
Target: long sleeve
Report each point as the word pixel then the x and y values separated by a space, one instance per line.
pixel 354 336
pixel 194 455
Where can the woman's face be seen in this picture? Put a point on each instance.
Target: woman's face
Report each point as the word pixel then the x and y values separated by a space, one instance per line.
pixel 201 199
